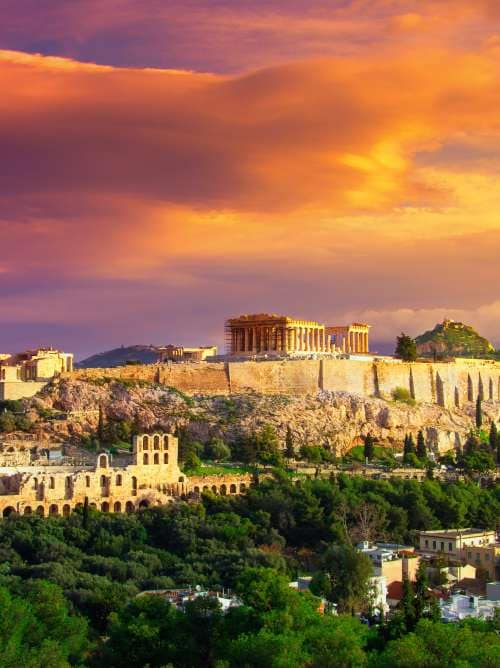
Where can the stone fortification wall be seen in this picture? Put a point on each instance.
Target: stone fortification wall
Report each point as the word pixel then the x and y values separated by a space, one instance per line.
pixel 447 384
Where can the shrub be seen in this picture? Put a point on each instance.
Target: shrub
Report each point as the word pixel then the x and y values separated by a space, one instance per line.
pixel 403 395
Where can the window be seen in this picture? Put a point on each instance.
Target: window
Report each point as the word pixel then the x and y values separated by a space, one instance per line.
pixel 87 481
pixel 156 442
pixel 487 557
pixel 442 547
pixel 450 547
pixel 145 459
pixel 68 482
pixel 156 458
pixel 118 480
pixel 433 544
pixel 35 483
pixel 426 543
pixel 103 480
pixel 145 442
pixel 165 458
pixel 52 483
pixel 469 555
pixel 478 557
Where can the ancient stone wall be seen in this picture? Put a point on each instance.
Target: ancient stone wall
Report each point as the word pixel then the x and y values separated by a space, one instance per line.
pixel 447 384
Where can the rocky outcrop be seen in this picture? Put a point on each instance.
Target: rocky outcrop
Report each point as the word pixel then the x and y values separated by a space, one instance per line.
pixel 336 420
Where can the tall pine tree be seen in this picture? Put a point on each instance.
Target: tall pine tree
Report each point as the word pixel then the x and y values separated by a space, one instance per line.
pixel 493 437
pixel 479 412
pixel 421 449
pixel 289 449
pixel 369 447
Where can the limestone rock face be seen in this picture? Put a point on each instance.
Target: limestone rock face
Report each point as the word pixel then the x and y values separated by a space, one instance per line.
pixel 336 420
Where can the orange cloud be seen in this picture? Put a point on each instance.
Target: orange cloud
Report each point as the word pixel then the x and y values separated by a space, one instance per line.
pixel 355 180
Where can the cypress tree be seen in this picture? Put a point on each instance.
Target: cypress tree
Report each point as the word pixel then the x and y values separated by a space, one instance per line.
pixel 289 449
pixel 493 437
pixel 101 431
pixel 421 449
pixel 408 605
pixel 479 412
pixel 369 449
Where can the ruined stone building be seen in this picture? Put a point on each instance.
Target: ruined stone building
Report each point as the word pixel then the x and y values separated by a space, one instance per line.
pixel 271 334
pixel 149 477
pixel 24 374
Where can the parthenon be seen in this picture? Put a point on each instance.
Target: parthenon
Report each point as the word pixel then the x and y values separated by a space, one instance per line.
pixel 272 334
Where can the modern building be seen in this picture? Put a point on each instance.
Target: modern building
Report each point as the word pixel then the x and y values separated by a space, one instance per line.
pixel 24 374
pixel 281 335
pixel 452 542
pixel 459 607
pixel 172 353
pixel 483 557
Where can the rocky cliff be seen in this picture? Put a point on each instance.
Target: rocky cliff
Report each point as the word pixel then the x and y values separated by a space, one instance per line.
pixel 336 420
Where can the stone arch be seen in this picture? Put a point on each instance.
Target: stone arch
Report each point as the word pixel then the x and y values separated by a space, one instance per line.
pixel 242 487
pixel 156 459
pixel 66 510
pixel 9 511
pixel 117 508
pixel 457 398
pixel 214 489
pixel 103 481
pixel 181 478
pixel 28 510
pixel 196 490
pixel 53 509
pixel 223 490
pixel 145 459
pixel 104 507
pixel 165 457
pixel 129 507
pixel 490 390
pixel 145 442
pixel 144 503
pixel 439 390
pixel 156 442
pixel 87 481
pixel 165 441
pixel 103 461
pixel 93 505
pixel 470 388
pixel 119 480
pixel 232 489
pixel 205 488
pixel 40 511
pixel 52 482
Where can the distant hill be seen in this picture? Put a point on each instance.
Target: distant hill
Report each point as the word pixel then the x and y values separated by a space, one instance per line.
pixel 453 339
pixel 120 356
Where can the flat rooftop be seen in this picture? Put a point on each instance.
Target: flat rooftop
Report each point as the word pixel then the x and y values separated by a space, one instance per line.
pixel 469 531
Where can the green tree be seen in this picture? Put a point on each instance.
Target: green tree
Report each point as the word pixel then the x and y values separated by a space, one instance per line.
pixel 479 412
pixel 217 450
pixel 7 422
pixel 421 448
pixel 408 449
pixel 406 348
pixel 369 447
pixel 407 605
pixel 349 572
pixel 289 449
pixel 493 437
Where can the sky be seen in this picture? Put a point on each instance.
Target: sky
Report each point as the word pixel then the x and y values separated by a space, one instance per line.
pixel 166 164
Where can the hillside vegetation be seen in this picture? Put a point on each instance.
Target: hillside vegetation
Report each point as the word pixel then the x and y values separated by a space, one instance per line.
pixel 120 356
pixel 453 339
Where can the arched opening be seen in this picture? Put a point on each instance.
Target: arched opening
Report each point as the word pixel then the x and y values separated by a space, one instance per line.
pixel 40 511
pixel 181 478
pixel 78 505
pixel 117 508
pixel 9 511
pixel 134 485
pixel 196 490
pixel 52 482
pixel 214 489
pixel 53 509
pixel 144 503
pixel 103 481
pixel 145 459
pixel 156 442
pixel 165 458
pixel 205 488
pixel 66 510
pixel 242 487
pixel 165 441
pixel 145 442
pixel 223 490
pixel 470 389
pixel 232 489
pixel 87 481
pixel 119 480
pixel 103 461
pixel 35 483
pixel 28 510
pixel 129 507
pixel 68 482
pixel 156 458
pixel 105 507
pixel 93 505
